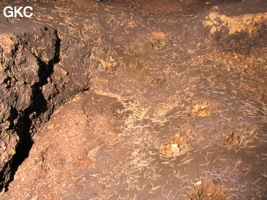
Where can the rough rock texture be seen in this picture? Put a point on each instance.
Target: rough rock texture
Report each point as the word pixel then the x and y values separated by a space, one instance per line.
pixel 33 83
pixel 91 121
pixel 175 107
pixel 26 62
pixel 237 33
pixel 237 27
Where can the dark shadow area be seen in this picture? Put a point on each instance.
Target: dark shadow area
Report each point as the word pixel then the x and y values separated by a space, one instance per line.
pixel 165 7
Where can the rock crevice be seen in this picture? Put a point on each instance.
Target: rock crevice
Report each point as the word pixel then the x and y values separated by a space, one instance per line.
pixel 27 63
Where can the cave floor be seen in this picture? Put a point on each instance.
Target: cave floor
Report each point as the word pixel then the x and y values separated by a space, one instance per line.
pixel 160 120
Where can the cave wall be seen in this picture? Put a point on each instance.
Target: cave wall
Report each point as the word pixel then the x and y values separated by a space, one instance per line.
pixel 32 84
pixel 26 61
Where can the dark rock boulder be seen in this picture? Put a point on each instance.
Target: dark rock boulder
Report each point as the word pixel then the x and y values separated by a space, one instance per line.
pixel 27 60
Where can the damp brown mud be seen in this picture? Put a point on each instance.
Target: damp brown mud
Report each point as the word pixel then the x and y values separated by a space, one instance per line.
pixel 141 100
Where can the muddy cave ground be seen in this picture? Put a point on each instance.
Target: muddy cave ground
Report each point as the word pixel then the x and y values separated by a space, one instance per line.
pixel 134 100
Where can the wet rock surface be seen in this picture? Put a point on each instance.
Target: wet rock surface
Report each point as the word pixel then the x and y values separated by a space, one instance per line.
pixel 169 106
